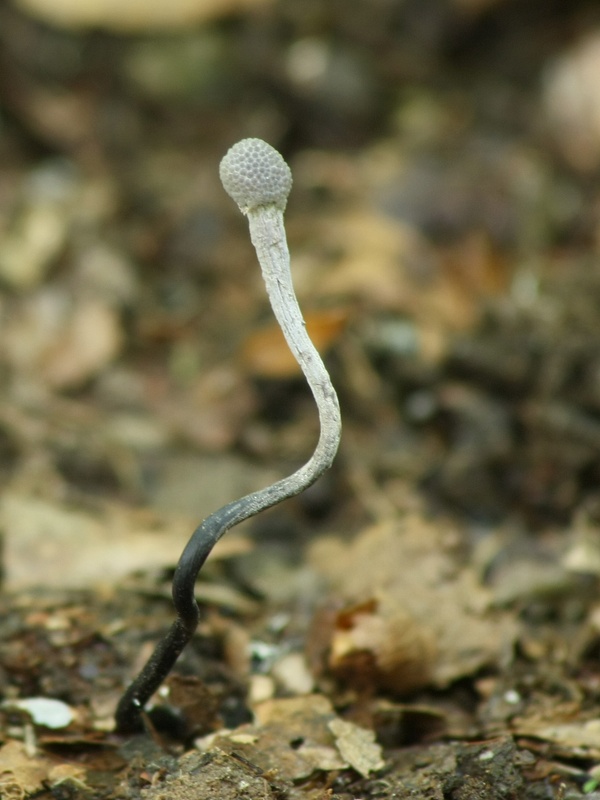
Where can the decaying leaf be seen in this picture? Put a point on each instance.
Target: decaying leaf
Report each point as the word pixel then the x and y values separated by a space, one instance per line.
pixel 357 745
pixel 421 608
pixel 21 773
pixel 63 343
pixel 381 647
pixel 297 736
pixel 132 15
pixel 61 545
pixel 265 353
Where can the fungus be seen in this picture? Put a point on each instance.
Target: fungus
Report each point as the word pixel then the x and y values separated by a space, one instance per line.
pixel 258 179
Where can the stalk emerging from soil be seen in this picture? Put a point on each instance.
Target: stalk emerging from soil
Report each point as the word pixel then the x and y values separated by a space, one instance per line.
pixel 256 176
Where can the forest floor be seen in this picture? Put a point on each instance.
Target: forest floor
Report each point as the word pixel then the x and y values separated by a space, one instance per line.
pixel 424 622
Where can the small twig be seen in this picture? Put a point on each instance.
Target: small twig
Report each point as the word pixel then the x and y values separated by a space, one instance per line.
pixel 256 176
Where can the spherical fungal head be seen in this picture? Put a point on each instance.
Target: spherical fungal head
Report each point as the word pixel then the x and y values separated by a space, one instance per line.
pixel 254 174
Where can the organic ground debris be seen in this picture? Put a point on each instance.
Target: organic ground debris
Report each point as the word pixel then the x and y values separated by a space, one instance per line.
pixel 424 621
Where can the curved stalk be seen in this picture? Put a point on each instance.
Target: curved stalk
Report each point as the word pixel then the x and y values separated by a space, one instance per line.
pixel 259 180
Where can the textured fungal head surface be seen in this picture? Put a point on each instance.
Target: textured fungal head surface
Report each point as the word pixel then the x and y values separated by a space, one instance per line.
pixel 254 174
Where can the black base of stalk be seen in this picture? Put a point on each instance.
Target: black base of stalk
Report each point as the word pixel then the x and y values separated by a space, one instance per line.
pixel 128 716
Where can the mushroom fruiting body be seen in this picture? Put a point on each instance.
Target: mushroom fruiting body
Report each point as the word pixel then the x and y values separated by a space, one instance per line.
pixel 257 177
pixel 254 174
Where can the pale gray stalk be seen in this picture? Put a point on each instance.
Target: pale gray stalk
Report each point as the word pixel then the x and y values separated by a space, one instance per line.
pixel 256 176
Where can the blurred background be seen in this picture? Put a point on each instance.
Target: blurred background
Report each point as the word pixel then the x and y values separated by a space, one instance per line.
pixel 444 229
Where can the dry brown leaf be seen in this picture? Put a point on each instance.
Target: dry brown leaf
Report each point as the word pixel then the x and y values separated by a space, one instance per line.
pixel 91 340
pixel 374 254
pixel 390 267
pixel 21 774
pixel 28 252
pixel 133 15
pixel 61 342
pixel 211 412
pixel 370 649
pixel 72 774
pixel 53 545
pixel 296 736
pixel 410 569
pixel 291 736
pixel 572 101
pixel 266 354
pixel 572 739
pixel 292 673
pixel 357 746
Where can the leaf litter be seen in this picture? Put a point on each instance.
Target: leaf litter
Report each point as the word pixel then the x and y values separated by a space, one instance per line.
pixel 424 622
